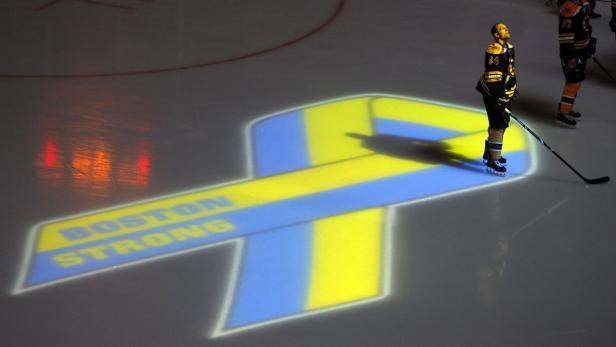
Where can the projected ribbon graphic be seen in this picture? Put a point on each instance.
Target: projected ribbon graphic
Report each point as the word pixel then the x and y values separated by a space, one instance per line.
pixel 312 225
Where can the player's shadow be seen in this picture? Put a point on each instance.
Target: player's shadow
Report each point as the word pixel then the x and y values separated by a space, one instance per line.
pixel 537 108
pixel 423 151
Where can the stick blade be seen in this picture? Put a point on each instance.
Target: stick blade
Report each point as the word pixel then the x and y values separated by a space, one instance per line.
pixel 599 180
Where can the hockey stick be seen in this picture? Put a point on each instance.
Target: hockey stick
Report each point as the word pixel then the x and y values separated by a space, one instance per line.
pixel 587 180
pixel 604 69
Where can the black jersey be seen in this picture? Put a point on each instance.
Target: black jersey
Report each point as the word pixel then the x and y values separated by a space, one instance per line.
pixel 574 28
pixel 499 78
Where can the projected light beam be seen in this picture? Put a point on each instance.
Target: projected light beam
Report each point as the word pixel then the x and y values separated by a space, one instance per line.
pixel 312 224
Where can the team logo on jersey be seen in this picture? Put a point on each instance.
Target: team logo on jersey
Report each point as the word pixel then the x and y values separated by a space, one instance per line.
pixel 313 223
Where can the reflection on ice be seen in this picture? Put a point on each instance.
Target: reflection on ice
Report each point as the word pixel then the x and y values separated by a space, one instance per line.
pixel 91 167
pixel 94 148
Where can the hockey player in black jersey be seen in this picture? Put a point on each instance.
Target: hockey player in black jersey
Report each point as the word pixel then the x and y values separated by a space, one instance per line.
pixel 576 46
pixel 497 86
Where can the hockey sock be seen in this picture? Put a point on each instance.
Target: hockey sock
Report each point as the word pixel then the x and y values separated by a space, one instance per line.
pixel 495 142
pixel 567 100
pixel 495 150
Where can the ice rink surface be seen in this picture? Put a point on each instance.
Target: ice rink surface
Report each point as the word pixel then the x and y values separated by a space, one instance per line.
pixel 111 102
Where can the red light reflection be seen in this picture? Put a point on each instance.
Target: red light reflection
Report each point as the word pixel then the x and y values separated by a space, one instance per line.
pixel 143 165
pixel 135 169
pixel 94 142
pixel 49 166
pixel 92 167
pixel 51 154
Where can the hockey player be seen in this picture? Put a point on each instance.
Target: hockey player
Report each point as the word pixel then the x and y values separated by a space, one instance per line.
pixel 576 46
pixel 497 86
